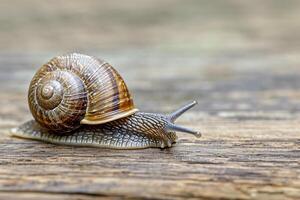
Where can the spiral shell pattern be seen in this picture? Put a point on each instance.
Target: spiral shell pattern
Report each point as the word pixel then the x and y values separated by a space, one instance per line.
pixel 78 89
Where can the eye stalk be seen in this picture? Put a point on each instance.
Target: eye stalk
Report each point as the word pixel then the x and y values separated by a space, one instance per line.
pixel 175 115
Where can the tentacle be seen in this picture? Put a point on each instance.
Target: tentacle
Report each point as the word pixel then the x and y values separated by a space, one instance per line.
pixel 174 127
pixel 175 115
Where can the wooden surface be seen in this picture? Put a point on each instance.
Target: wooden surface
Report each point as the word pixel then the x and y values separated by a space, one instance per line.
pixel 249 149
pixel 240 61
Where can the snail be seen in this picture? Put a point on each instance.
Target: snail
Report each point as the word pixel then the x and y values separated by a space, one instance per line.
pixel 77 99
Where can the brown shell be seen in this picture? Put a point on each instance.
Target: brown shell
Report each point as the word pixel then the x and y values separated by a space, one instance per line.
pixel 76 88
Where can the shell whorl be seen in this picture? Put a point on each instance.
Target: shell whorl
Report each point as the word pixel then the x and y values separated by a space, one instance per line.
pixel 78 89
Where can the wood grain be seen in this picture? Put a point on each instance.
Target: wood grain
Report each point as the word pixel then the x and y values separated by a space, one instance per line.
pixel 235 159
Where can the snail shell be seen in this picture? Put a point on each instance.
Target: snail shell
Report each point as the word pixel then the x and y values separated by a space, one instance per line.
pixel 77 89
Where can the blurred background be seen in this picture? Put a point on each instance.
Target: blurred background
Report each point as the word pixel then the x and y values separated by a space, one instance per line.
pixel 172 50
pixel 229 27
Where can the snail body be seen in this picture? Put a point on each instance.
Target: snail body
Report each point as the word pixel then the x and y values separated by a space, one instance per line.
pixel 76 99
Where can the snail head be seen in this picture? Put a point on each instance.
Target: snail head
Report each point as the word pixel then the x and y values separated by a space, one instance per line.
pixel 171 118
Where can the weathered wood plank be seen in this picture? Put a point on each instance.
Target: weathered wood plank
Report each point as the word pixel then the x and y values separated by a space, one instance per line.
pixel 250 147
pixel 38 195
pixel 237 163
